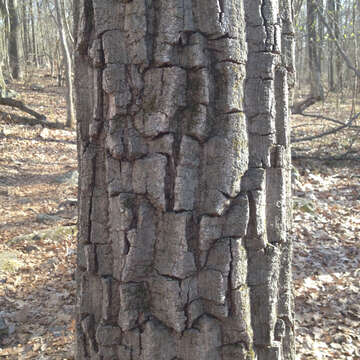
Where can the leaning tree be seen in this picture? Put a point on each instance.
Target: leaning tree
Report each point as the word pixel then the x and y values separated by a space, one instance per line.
pixel 184 200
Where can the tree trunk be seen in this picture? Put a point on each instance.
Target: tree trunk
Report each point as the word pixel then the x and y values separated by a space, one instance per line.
pixel 355 78
pixel 25 32
pixel 14 41
pixel 70 118
pixel 317 91
pixel 339 76
pixel 320 39
pixel 43 52
pixel 33 37
pixel 330 16
pixel 184 215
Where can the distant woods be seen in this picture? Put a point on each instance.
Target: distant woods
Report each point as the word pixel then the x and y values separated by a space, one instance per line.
pixel 327 36
pixel 37 34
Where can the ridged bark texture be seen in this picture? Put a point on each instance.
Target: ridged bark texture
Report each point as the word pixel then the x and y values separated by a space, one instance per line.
pixel 184 158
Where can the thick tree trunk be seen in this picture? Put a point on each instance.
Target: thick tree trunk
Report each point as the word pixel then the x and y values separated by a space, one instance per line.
pixel 14 41
pixel 70 118
pixel 183 135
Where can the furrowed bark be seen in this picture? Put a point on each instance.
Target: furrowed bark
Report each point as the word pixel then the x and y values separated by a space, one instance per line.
pixel 184 154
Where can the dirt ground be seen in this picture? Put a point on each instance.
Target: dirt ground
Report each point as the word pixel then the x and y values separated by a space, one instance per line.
pixel 37 228
pixel 38 234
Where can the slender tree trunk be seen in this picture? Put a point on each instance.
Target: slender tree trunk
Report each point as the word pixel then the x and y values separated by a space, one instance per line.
pixel 357 52
pixel 14 41
pixel 68 28
pixel 33 37
pixel 320 40
pixel 25 32
pixel 29 40
pixel 330 16
pixel 5 37
pixel 41 47
pixel 339 84
pixel 70 119
pixel 317 91
pixel 3 49
pixel 301 55
pixel 355 78
pixel 3 91
pixel 184 156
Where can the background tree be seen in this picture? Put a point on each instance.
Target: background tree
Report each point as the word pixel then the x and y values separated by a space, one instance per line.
pixel 68 61
pixel 334 24
pixel 337 26
pixel 331 74
pixel 316 91
pixel 14 40
pixel 25 37
pixel 34 46
pixel 184 179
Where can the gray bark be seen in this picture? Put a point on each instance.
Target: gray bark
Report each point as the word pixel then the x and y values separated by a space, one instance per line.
pixel 320 42
pixel 184 200
pixel 14 41
pixel 317 91
pixel 331 13
pixel 33 37
pixel 339 75
pixel 42 51
pixel 25 32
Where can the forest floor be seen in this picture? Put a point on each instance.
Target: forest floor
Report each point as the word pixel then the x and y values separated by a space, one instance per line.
pixel 38 233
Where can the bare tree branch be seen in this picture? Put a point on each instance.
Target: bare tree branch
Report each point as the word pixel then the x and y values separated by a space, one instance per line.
pixel 343 156
pixel 335 121
pixel 20 105
pixel 302 105
pixel 329 132
pixel 349 64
